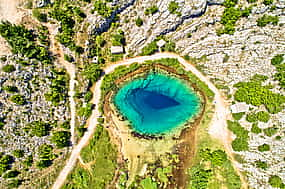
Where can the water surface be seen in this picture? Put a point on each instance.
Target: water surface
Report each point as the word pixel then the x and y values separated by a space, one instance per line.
pixel 157 104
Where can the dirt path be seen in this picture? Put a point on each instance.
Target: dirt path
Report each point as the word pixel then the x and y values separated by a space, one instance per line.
pixel 70 68
pixel 217 126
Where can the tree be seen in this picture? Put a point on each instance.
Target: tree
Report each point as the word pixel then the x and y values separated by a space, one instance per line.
pixel 40 16
pixel 92 72
pixel 267 19
pixel 151 10
pixel 173 7
pixel 263 148
pixel 11 174
pixel 61 139
pixel 267 2
pixel 18 99
pixel 8 68
pixel 149 49
pixel 18 153
pixel 39 128
pixel 139 22
pixel 10 89
pixel 277 59
pixel 261 164
pixel 276 182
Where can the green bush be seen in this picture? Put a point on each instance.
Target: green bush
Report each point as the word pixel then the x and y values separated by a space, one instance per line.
pixel 92 72
pixel 88 96
pixel 14 183
pixel 86 111
pixel 263 148
pixel 10 89
pixel 255 129
pixel 148 183
pixel 173 7
pixel 254 93
pixel 276 181
pixel 18 153
pixel 230 3
pixel 68 58
pixel 5 163
pixel 28 162
pixel 277 59
pixel 139 22
pixel 39 128
pixel 200 177
pixel 149 49
pixel 151 10
pixel 8 68
pixel 241 142
pixel 102 8
pixel 238 116
pixel 261 164
pixel 61 139
pixel 267 19
pixel 251 1
pixel 40 16
pixel 11 174
pixel 267 2
pixel 18 99
pixel 270 131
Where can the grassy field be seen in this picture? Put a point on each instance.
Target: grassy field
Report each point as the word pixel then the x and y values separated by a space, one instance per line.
pixel 100 163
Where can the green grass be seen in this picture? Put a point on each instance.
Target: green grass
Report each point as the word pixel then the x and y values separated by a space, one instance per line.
pixel 102 156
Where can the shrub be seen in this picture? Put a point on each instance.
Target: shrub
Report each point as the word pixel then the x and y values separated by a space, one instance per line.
pixel 270 131
pixel 173 7
pixel 267 2
pixel 10 89
pixel 68 58
pixel 251 1
pixel 267 19
pixel 18 99
pixel 102 8
pixel 230 3
pixel 276 181
pixel 92 72
pixel 11 174
pixel 200 177
pixel 88 96
pixel 149 49
pixel 255 129
pixel 39 16
pixel 263 148
pixel 28 162
pixel 86 111
pixel 238 116
pixel 261 164
pixel 263 116
pixel 14 183
pixel 139 22
pixel 65 125
pixel 61 139
pixel 8 68
pixel 39 128
pixel 18 153
pixel 151 10
pixel 241 142
pixel 277 59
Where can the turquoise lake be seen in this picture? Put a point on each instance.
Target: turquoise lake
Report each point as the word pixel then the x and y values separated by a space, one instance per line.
pixel 157 104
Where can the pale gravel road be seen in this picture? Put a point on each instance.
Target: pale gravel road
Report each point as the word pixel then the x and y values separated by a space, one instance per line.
pixel 217 127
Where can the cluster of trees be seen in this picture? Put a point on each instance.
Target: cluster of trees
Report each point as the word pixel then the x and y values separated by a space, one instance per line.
pixel 200 177
pixel 66 15
pixel 58 88
pixel 38 128
pixel 22 42
pixel 61 139
pixel 8 68
pixel 254 93
pixel 278 62
pixel 118 39
pixel 259 116
pixel 267 19
pixel 241 141
pixel 46 156
pixel 261 164
pixel 43 35
pixel 173 7
pixel 103 9
pixel 255 129
pixel 238 116
pixel 216 157
pixel 151 10
pixel 230 16
pixel 18 99
pixel 92 72
pixel 152 47
pixel 86 111
pixel 2 122
pixel 270 131
pixel 18 153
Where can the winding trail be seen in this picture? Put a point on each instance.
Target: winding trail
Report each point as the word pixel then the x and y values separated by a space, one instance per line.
pixel 71 70
pixel 217 128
